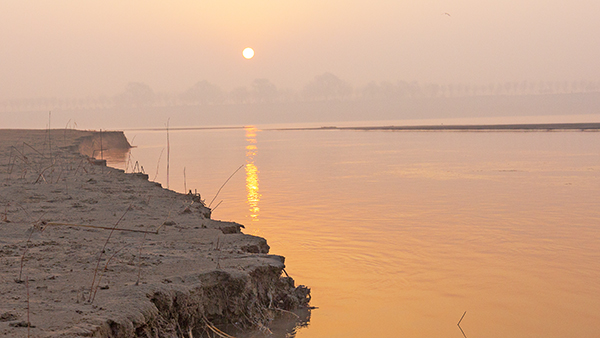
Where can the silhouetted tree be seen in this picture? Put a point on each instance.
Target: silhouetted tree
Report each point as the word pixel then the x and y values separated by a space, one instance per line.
pixel 325 87
pixel 239 95
pixel 136 94
pixel 433 90
pixel 203 92
pixel 264 91
pixel 405 89
pixel 371 91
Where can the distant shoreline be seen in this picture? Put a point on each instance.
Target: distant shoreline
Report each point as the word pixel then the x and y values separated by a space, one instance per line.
pixel 475 127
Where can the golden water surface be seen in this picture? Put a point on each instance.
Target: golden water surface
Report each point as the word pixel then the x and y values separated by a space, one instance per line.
pixel 399 233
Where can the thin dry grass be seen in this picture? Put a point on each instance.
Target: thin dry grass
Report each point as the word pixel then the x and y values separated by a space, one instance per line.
pixel 104 271
pixel 238 169
pixel 168 153
pixel 102 252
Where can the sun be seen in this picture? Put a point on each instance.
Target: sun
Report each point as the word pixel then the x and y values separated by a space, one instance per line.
pixel 248 53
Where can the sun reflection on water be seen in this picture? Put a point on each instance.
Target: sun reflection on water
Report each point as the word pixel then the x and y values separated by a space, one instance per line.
pixel 253 196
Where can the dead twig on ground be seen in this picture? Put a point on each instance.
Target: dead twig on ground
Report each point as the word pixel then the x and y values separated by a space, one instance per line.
pixel 101 227
pixel 164 223
pixel 23 157
pixel 41 175
pixel 32 148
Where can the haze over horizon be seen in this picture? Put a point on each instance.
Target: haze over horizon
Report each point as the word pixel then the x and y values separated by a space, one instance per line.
pixel 80 49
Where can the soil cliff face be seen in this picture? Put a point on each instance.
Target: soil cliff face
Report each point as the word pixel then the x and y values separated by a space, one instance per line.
pixel 90 251
pixel 94 144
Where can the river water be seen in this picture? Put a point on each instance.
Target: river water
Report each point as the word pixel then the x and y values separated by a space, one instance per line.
pixel 399 233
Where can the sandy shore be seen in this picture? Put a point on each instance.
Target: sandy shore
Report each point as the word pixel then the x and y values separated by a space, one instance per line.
pixel 165 270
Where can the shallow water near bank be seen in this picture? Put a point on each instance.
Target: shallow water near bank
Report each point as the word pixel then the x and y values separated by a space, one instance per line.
pixel 400 233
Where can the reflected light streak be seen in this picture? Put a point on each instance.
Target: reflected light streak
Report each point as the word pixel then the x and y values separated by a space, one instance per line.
pixel 252 194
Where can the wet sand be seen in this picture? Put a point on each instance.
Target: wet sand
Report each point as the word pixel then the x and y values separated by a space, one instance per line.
pixel 88 250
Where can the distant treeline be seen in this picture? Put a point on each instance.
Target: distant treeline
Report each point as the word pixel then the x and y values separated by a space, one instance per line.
pixel 324 87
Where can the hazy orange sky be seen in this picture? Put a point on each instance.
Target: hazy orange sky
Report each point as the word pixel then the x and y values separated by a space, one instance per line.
pixel 89 48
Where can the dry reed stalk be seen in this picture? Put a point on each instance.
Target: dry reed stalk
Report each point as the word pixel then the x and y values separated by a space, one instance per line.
pixel 219 254
pixel 286 311
pixel 19 280
pixel 67 186
pixel 28 320
pixel 238 169
pixel 102 251
pixel 265 330
pixel 103 271
pixel 101 146
pixel 32 148
pixel 216 206
pixel 81 165
pixel 41 175
pixel 168 152
pixel 160 226
pixel 10 165
pixel 12 160
pixel 59 175
pixel 65 133
pixel 101 151
pixel 158 163
pixel 128 162
pixel 137 168
pixel 20 155
pixel 461 330
pixel 24 158
pixel 184 182
pixel 5 214
pixel 101 227
pixel 49 137
pixel 24 210
pixel 215 330
pixel 139 277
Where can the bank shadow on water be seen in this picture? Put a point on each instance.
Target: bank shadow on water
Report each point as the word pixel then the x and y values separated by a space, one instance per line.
pixel 284 325
pixel 111 146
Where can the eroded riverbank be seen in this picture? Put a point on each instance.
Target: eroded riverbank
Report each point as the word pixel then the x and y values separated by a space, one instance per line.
pixel 88 250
